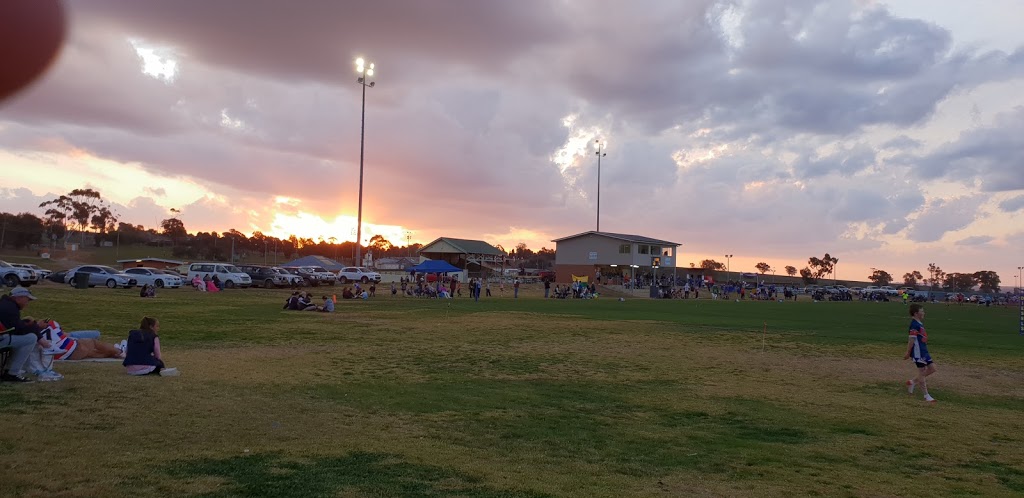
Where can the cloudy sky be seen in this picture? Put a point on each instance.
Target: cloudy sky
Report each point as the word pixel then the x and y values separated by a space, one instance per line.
pixel 884 132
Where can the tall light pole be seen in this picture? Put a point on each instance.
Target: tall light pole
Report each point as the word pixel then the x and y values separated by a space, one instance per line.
pixel 600 146
pixel 365 73
pixel 728 271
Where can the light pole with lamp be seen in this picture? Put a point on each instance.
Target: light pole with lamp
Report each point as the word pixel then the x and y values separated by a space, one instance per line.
pixel 600 146
pixel 365 72
pixel 728 271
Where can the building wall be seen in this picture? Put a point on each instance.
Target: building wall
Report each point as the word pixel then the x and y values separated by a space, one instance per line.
pixel 564 273
pixel 577 251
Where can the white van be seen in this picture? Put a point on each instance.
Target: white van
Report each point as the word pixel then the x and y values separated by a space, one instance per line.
pixel 229 275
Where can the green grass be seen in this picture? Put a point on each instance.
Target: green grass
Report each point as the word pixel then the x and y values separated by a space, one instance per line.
pixel 527 397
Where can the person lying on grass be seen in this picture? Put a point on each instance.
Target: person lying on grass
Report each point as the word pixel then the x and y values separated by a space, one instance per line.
pixel 144 356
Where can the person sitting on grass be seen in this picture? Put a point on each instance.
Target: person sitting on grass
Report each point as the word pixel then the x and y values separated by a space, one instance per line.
pixel 328 306
pixel 306 302
pixel 147 291
pixel 22 336
pixel 144 356
pixel 347 293
pixel 198 284
pixel 292 303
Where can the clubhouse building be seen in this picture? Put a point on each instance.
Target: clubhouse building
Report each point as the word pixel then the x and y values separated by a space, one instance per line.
pixel 616 256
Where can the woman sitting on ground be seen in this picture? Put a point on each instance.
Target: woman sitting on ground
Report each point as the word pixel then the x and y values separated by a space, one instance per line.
pixel 143 355
pixel 198 284
pixel 147 291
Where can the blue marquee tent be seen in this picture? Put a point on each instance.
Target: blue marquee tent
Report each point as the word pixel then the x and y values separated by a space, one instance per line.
pixel 433 266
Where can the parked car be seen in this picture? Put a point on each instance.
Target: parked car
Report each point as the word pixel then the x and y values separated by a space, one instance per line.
pixel 268 276
pixel 229 275
pixel 357 274
pixel 889 290
pixel 308 276
pixel 101 275
pixel 13 276
pixel 154 276
pixel 323 276
pixel 42 272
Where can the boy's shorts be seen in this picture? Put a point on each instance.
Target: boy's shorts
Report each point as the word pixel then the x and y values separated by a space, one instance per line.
pixel 923 362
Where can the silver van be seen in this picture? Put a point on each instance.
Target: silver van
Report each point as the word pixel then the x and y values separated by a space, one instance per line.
pixel 229 275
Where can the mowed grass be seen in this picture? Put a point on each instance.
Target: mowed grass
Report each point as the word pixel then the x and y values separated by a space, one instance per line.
pixel 529 397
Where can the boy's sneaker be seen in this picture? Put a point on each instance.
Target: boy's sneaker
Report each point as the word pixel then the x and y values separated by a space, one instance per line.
pixel 910 386
pixel 49 376
pixel 930 399
pixel 170 372
pixel 9 377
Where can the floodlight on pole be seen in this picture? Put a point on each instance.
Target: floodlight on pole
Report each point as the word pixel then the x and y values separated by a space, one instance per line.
pixel 599 146
pixel 728 268
pixel 365 71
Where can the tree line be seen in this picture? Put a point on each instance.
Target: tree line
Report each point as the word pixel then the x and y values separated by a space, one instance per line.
pixel 818 268
pixel 83 212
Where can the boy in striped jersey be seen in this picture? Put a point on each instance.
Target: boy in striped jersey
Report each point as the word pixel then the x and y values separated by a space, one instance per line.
pixel 917 348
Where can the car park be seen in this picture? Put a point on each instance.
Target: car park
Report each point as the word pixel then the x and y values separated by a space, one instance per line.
pixel 229 275
pixel 154 276
pixel 358 274
pixel 99 275
pixel 13 276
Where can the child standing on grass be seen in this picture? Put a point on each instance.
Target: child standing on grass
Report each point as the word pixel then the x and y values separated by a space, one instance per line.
pixel 917 349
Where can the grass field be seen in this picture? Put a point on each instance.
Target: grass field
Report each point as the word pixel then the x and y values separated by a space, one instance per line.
pixel 528 397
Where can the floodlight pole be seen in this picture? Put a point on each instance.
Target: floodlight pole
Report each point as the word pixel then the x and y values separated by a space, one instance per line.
pixel 600 153
pixel 364 72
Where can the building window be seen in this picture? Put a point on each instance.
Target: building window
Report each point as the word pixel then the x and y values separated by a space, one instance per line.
pixel 644 249
pixel 626 249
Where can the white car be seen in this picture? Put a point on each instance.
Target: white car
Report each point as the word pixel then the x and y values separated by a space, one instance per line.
pixel 322 275
pixel 229 275
pixel 42 272
pixel 100 275
pixel 14 276
pixel 154 276
pixel 358 274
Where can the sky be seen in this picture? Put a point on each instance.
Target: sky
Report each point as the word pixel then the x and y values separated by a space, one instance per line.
pixel 886 133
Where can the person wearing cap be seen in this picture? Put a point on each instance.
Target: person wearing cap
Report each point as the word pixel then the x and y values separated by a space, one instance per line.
pixel 19 335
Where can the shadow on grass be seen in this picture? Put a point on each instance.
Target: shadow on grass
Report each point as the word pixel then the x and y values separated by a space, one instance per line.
pixel 609 425
pixel 376 474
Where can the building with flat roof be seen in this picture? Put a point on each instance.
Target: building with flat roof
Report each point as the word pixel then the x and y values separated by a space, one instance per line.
pixel 615 255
